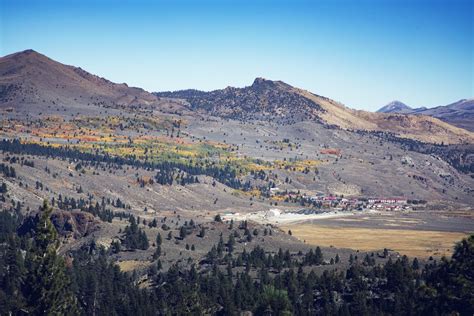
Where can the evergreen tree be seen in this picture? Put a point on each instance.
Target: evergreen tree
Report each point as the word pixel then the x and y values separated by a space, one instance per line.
pixel 274 302
pixel 48 281
pixel 202 232
pixel 159 240
pixel 415 264
pixel 182 232
pixel 231 243
pixel 134 237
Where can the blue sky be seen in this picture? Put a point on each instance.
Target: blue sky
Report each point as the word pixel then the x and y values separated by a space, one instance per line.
pixel 362 53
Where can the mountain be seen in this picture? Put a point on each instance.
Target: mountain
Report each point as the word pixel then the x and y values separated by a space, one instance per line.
pixel 460 113
pixel 264 99
pixel 282 103
pixel 33 84
pixel 30 81
pixel 395 107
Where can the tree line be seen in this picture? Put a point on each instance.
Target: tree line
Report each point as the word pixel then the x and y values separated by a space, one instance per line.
pixel 224 174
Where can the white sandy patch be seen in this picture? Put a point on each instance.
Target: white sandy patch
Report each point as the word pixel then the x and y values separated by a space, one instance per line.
pixel 291 217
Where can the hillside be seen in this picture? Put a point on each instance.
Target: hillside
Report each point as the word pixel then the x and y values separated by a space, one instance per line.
pixel 280 102
pixel 460 113
pixel 269 126
pixel 31 82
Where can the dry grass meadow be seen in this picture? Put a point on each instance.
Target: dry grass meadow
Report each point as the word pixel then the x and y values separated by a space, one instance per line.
pixel 130 265
pixel 413 243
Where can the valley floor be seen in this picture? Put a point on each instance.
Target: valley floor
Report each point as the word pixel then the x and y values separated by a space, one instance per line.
pixel 414 234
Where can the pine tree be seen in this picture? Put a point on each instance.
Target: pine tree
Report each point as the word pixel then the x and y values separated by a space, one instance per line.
pixel 158 239
pixel 182 232
pixel 202 233
pixel 115 246
pixel 274 302
pixel 318 256
pixel 50 291
pixel 135 238
pixel 416 264
pixel 231 243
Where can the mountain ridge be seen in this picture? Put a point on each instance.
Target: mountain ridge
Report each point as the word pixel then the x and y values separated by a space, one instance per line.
pixel 459 113
pixel 319 108
pixel 29 77
pixel 31 82
pixel 264 99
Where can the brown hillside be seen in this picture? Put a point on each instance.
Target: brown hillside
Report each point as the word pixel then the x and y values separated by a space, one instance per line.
pixel 420 127
pixel 31 78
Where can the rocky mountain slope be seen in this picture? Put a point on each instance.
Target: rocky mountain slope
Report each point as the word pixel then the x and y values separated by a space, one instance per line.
pixel 280 102
pixel 264 99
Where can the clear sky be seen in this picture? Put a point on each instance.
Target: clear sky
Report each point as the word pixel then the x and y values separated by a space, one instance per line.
pixel 362 53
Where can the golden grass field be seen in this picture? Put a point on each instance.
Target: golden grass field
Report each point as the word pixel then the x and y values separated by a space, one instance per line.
pixel 413 243
pixel 130 265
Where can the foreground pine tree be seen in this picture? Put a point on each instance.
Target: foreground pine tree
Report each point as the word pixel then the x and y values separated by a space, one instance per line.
pixel 47 284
